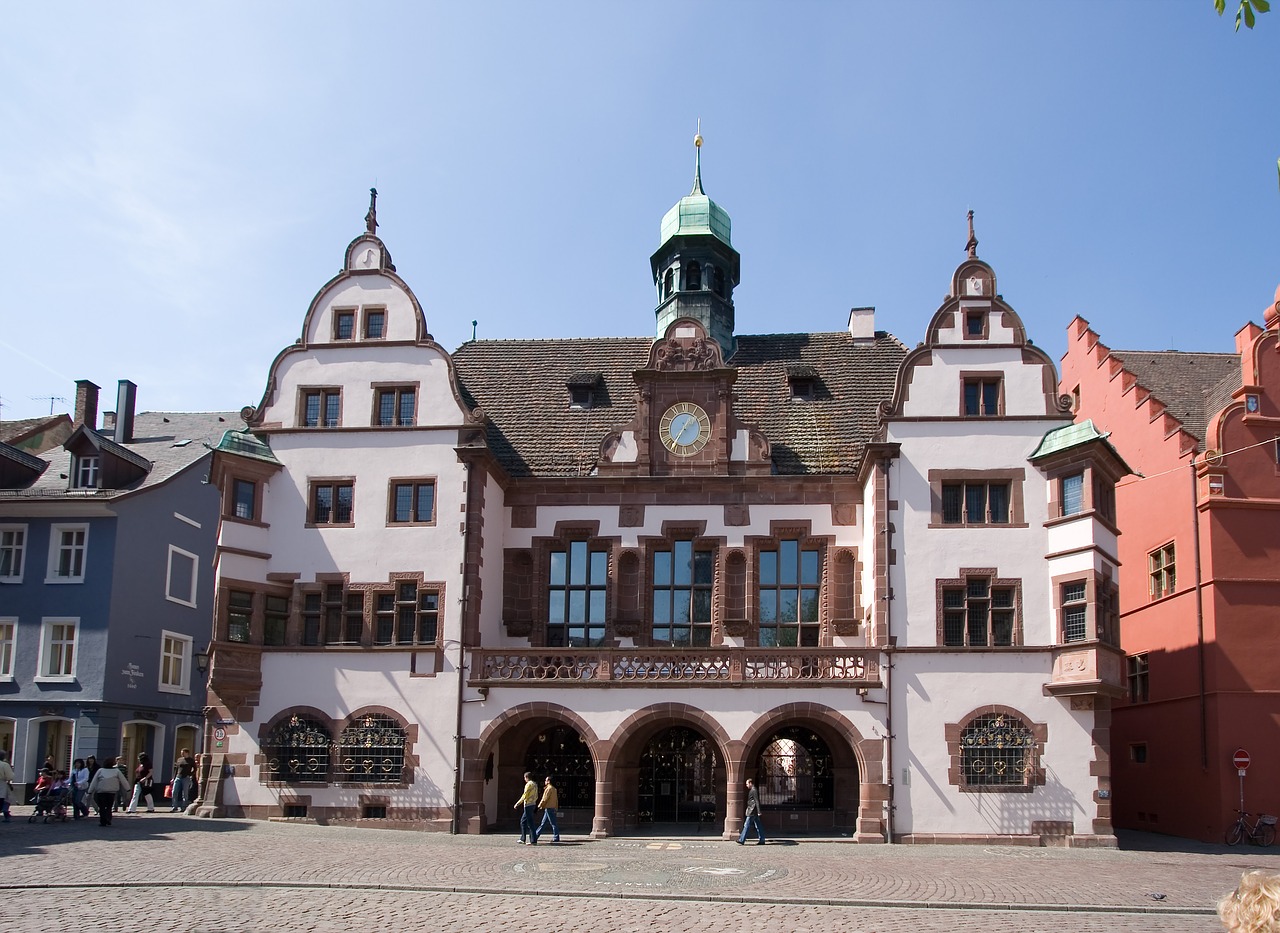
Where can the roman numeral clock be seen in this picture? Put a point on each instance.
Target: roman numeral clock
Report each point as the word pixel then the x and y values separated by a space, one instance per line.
pixel 685 429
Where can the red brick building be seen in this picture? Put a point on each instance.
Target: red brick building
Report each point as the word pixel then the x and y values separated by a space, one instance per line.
pixel 1200 572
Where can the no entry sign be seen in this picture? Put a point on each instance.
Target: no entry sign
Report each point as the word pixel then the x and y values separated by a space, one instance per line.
pixel 1241 759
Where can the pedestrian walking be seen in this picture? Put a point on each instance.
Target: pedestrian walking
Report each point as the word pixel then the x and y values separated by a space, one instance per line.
pixel 752 816
pixel 106 787
pixel 6 784
pixel 122 798
pixel 143 784
pixel 80 778
pixel 548 804
pixel 184 770
pixel 528 818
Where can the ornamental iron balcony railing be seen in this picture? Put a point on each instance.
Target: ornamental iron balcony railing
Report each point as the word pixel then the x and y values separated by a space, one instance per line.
pixel 732 667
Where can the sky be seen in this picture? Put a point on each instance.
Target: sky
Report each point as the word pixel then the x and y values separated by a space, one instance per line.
pixel 178 180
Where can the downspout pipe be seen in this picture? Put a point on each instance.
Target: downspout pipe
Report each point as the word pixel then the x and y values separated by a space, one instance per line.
pixel 1200 650
pixel 891 643
pixel 455 825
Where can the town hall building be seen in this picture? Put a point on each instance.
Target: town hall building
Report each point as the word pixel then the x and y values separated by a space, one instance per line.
pixel 881 582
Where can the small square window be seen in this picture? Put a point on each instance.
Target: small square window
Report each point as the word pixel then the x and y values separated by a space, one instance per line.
pixel 413 502
pixel 396 406
pixel 1138 753
pixel 374 324
pixel 321 408
pixel 982 397
pixel 332 503
pixel 975 324
pixel 344 325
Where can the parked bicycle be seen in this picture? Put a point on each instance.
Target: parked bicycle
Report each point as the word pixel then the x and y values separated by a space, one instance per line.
pixel 1261 833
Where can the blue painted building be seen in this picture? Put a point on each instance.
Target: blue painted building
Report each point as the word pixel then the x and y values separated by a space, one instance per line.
pixel 106 586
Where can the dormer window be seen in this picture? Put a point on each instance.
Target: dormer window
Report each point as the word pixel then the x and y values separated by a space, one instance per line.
pixel 803 381
pixel 693 277
pixel 583 389
pixel 85 472
pixel 344 325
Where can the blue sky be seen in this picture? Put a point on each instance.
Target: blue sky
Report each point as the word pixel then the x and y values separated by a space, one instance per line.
pixel 178 180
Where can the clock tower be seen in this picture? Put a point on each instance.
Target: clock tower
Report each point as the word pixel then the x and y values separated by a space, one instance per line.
pixel 696 268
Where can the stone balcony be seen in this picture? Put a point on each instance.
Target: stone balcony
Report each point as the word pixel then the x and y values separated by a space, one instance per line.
pixel 665 667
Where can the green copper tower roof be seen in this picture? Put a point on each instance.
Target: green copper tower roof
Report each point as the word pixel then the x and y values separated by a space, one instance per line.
pixel 696 214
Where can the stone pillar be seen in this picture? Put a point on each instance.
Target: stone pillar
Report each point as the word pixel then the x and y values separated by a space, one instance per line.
pixel 602 820
pixel 735 800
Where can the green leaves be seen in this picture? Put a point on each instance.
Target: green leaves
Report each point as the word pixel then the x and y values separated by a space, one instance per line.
pixel 1246 10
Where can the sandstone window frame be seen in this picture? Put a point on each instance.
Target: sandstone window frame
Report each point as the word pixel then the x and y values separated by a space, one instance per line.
pixel 963 583
pixel 1032 771
pixel 1014 478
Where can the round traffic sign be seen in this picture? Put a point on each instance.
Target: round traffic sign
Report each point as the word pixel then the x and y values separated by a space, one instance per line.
pixel 1241 759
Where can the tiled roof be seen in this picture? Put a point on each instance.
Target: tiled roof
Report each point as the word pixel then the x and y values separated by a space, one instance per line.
pixel 9 430
pixel 21 457
pixel 1190 385
pixel 521 386
pixel 170 441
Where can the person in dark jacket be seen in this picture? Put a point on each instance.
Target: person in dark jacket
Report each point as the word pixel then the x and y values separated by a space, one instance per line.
pixel 753 816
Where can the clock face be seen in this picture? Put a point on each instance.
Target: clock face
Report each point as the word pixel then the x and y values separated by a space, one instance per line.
pixel 685 429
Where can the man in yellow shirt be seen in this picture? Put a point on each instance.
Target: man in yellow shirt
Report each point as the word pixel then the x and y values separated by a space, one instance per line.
pixel 548 804
pixel 528 819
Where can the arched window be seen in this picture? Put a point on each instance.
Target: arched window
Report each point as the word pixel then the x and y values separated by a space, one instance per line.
pixel 794 771
pixel 371 750
pixel 693 276
pixel 297 749
pixel 718 282
pixel 997 750
pixel 668 281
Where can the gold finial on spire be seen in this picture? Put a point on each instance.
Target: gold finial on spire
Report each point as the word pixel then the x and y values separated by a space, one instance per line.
pixel 972 245
pixel 697 160
pixel 371 218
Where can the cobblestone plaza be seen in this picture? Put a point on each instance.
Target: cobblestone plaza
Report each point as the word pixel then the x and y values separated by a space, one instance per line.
pixel 184 874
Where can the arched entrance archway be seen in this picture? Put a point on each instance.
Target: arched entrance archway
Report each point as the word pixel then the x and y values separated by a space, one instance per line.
pixel 807 761
pixel 560 753
pixel 679 780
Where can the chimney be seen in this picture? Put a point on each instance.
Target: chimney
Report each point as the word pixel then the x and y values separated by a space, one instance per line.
pixel 862 324
pixel 109 422
pixel 86 403
pixel 124 412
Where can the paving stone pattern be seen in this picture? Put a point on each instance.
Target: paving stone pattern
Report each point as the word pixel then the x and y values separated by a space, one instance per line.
pixel 186 874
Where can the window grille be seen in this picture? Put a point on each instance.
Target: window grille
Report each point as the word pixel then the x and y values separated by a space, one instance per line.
pixel 298 749
pixel 371 751
pixel 1073 494
pixel 997 750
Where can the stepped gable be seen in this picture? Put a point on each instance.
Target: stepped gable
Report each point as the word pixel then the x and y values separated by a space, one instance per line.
pixel 1191 386
pixel 522 387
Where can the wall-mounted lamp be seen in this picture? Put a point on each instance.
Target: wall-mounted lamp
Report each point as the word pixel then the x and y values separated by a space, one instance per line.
pixel 202 659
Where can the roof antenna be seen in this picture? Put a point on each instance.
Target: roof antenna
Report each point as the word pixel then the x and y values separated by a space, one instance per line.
pixel 47 398
pixel 972 245
pixel 371 218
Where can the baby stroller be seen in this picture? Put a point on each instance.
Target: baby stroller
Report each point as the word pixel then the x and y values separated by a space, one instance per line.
pixel 51 804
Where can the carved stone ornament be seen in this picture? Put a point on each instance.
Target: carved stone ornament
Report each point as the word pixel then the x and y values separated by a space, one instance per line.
pixel 736 628
pixel 1065 403
pixel 247 414
pixel 629 628
pixel 631 516
pixel 736 516
pixel 847 627
pixel 844 513
pixel 687 354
